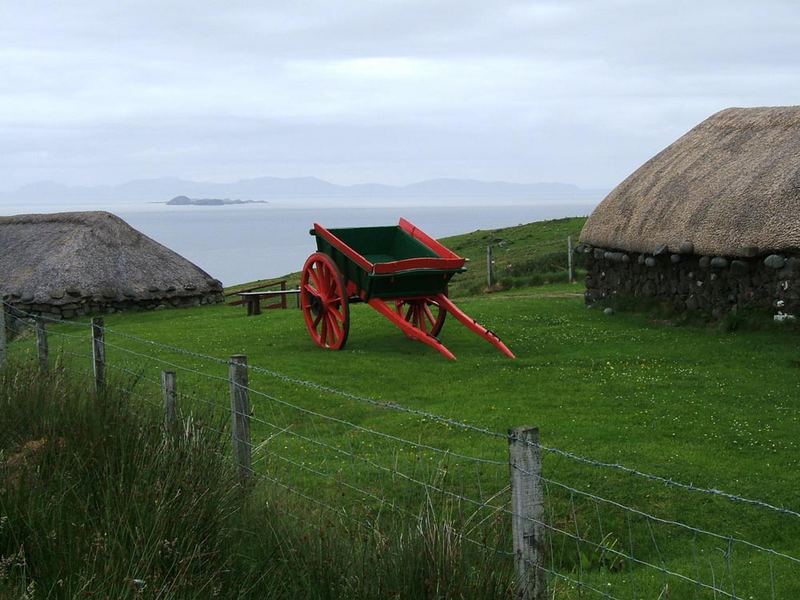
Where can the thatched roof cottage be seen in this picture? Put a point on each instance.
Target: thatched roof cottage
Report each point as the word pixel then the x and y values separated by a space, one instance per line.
pixel 712 222
pixel 71 264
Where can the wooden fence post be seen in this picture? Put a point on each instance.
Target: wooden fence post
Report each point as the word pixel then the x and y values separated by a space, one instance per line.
pixel 527 507
pixel 169 390
pixel 240 415
pixel 98 354
pixel 569 259
pixel 489 267
pixel 41 343
pixel 2 334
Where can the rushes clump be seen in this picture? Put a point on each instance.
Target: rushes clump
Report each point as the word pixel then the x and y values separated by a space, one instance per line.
pixel 98 500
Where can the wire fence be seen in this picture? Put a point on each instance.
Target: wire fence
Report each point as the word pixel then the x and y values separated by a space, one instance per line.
pixel 594 528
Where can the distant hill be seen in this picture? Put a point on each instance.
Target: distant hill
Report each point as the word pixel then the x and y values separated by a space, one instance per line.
pixel 266 188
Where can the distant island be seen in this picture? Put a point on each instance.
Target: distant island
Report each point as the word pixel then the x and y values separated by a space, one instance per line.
pixel 186 201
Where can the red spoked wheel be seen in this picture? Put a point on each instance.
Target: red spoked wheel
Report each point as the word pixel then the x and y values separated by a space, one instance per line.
pixel 323 298
pixel 423 313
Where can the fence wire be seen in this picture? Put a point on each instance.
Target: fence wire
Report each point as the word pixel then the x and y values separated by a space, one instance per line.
pixel 596 545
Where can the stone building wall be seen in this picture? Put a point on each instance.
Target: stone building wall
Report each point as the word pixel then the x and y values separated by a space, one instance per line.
pixel 67 304
pixel 713 285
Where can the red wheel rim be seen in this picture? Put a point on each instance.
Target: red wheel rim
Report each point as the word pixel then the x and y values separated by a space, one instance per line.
pixel 423 313
pixel 323 298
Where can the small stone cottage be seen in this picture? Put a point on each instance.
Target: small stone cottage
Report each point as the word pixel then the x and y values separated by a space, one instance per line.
pixel 64 265
pixel 711 223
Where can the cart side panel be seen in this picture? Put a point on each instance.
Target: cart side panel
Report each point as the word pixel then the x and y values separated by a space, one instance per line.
pixel 349 269
pixel 415 232
pixel 382 244
pixel 422 282
pixel 404 246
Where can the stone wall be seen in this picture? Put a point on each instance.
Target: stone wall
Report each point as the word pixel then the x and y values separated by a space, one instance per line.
pixel 69 304
pixel 715 285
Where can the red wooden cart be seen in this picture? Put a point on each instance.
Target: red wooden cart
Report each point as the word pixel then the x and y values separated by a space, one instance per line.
pixel 399 271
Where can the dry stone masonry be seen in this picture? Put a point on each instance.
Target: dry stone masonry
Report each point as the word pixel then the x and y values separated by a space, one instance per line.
pixel 713 285
pixel 73 302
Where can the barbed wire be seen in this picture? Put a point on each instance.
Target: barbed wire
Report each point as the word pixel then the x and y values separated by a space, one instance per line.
pixel 460 424
pixel 15 309
pixel 343 514
pixel 438 418
pixel 166 362
pixel 382 501
pixel 580 584
pixel 314 413
pixel 85 355
pixel 579 539
pixel 429 486
pixel 391 471
pixel 605 548
pixel 576 537
pixel 138 375
pixel 554 482
pixel 456 423
pixel 661 520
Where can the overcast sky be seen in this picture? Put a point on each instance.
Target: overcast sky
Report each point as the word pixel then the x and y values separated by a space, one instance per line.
pixel 390 91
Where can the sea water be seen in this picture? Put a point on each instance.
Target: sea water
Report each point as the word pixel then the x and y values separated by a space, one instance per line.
pixel 258 241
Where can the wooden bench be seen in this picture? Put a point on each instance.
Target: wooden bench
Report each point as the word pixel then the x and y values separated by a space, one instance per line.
pixel 253 300
pixel 261 286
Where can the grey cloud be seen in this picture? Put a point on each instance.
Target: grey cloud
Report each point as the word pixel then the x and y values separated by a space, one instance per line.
pixel 576 91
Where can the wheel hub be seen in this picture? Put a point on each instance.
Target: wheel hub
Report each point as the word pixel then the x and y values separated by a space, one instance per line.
pixel 317 306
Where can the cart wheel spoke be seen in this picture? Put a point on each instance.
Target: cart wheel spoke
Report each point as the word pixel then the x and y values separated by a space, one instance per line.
pixel 426 309
pixel 333 328
pixel 318 280
pixel 323 334
pixel 330 281
pixel 335 312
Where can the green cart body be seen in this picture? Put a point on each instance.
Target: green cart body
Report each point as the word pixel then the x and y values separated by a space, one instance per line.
pixel 394 251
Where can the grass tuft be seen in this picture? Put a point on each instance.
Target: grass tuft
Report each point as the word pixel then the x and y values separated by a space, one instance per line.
pixel 97 500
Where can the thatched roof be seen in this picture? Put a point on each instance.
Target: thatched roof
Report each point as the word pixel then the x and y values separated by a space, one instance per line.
pixel 730 186
pixel 58 258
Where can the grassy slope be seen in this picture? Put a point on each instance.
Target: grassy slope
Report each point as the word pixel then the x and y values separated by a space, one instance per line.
pixel 523 254
pixel 692 403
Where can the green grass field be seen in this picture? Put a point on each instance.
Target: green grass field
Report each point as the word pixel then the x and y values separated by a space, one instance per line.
pixel 524 255
pixel 692 403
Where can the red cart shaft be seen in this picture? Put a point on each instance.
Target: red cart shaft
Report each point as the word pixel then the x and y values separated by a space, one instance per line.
pixel 409 329
pixel 472 324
